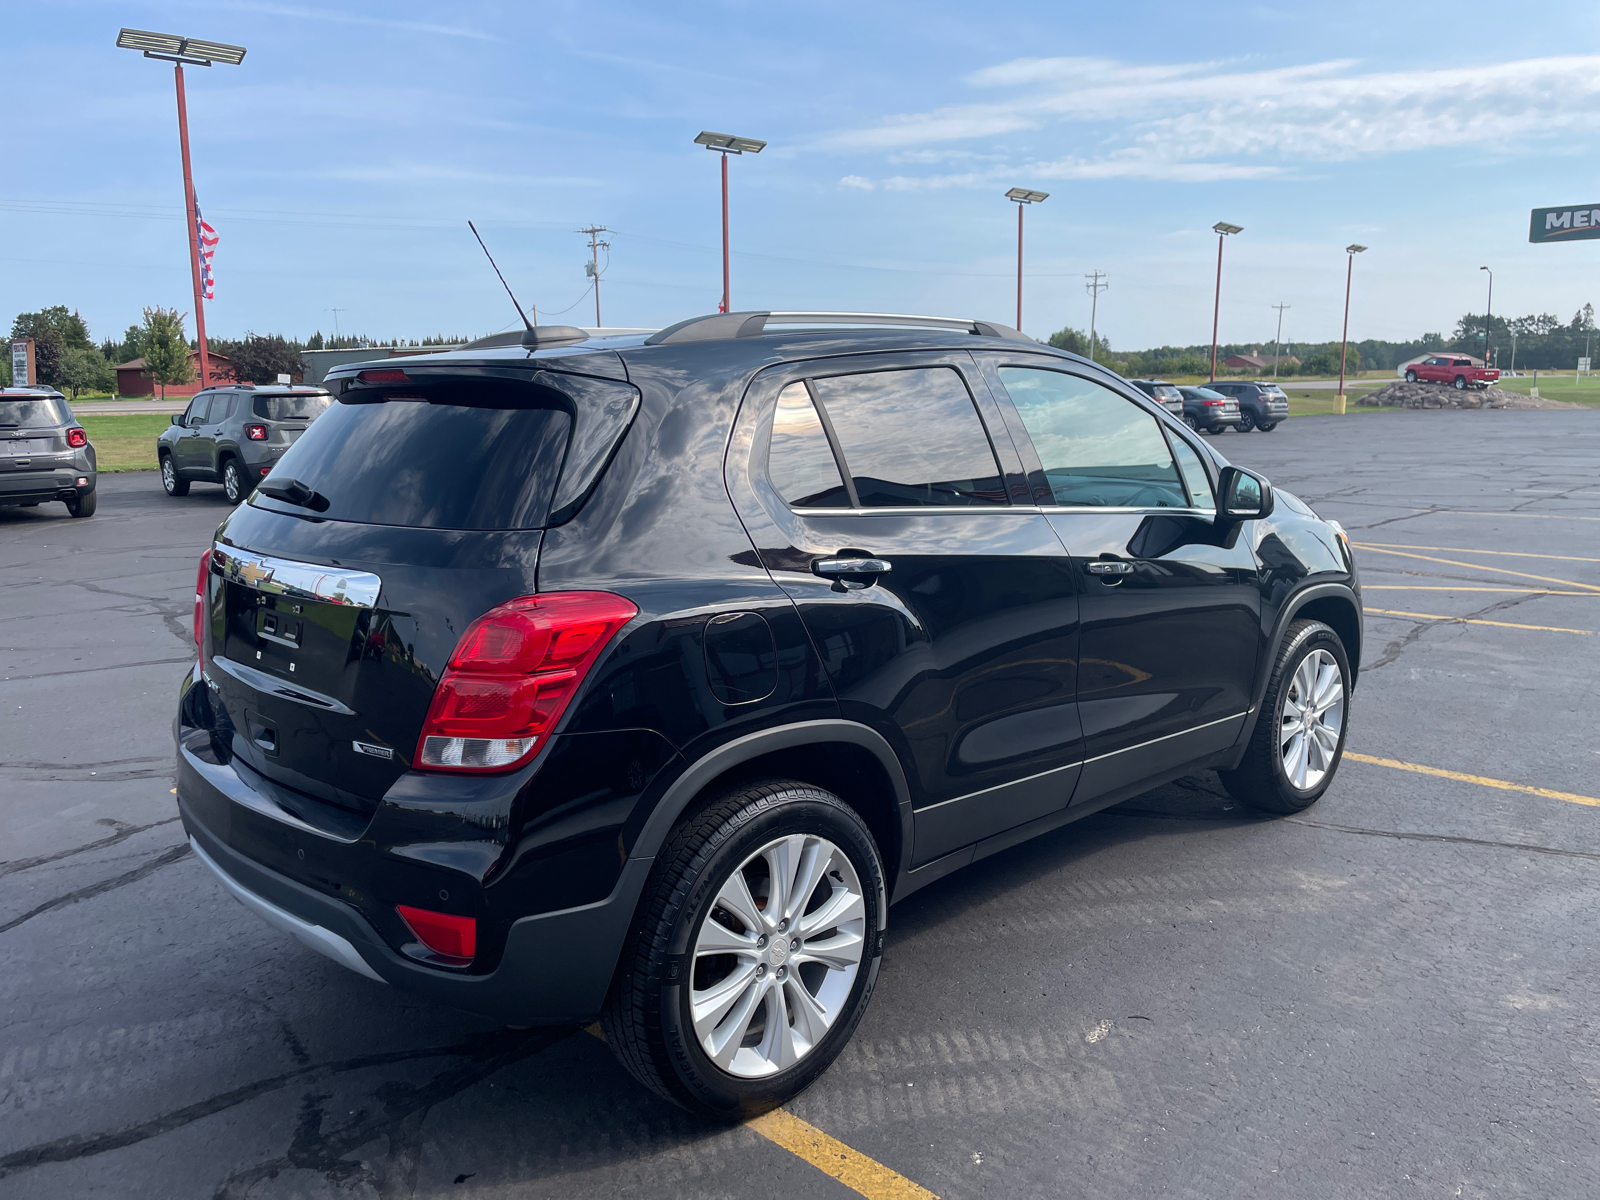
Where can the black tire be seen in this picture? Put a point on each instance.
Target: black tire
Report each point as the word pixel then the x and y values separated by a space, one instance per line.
pixel 171 482
pixel 83 506
pixel 1461 383
pixel 1247 421
pixel 1411 376
pixel 1191 423
pixel 235 485
pixel 647 1019
pixel 1267 428
pixel 1259 780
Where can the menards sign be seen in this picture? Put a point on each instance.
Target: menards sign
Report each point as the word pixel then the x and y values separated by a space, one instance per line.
pixel 1572 223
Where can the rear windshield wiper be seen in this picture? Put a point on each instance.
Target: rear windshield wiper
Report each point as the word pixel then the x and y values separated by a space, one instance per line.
pixel 292 491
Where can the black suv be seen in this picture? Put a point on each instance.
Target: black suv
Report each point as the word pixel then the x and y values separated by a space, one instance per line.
pixel 45 454
pixel 233 435
pixel 1261 405
pixel 634 677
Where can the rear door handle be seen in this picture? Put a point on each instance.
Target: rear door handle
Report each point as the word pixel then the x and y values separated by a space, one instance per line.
pixel 1110 567
pixel 834 568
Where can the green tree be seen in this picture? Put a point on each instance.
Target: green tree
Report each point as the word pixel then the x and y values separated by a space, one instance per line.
pixel 85 370
pixel 128 349
pixel 1076 341
pixel 259 359
pixel 164 348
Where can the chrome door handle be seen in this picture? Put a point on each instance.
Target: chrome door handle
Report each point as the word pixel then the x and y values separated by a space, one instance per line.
pixel 1110 567
pixel 834 568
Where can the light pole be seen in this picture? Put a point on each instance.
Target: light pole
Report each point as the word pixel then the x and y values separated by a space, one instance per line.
pixel 169 47
pixel 1488 316
pixel 726 144
pixel 1024 197
pixel 1344 339
pixel 1278 352
pixel 1513 351
pixel 1222 229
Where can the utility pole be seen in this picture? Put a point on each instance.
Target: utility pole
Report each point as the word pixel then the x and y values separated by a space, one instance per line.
pixel 1097 284
pixel 1278 352
pixel 592 267
pixel 336 312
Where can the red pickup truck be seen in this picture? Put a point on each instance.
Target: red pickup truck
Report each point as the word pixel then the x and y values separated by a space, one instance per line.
pixel 1457 370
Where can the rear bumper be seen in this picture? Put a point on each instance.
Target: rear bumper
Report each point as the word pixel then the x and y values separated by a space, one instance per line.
pixel 28 487
pixel 555 969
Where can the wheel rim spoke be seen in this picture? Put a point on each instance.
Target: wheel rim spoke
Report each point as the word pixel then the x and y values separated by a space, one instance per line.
pixel 722 1042
pixel 845 905
pixel 736 898
pixel 838 953
pixel 711 1007
pixel 813 860
pixel 717 938
pixel 811 1020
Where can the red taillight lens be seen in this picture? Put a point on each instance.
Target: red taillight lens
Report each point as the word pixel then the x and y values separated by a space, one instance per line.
pixel 454 937
pixel 77 437
pixel 1213 403
pixel 200 602
pixel 512 676
pixel 256 433
pixel 383 375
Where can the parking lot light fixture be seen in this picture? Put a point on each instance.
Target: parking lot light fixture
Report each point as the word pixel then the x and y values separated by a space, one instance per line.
pixel 197 52
pixel 1222 229
pixel 1023 197
pixel 1344 339
pixel 726 144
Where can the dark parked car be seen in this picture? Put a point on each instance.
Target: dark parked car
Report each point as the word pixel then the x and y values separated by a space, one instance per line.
pixel 1163 393
pixel 45 454
pixel 233 435
pixel 1208 411
pixel 634 677
pixel 1261 405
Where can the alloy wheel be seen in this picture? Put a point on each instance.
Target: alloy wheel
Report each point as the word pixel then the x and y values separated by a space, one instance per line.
pixel 777 956
pixel 232 483
pixel 1311 720
pixel 169 477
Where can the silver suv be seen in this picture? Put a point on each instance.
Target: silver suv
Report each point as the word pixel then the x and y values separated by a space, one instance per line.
pixel 233 435
pixel 45 454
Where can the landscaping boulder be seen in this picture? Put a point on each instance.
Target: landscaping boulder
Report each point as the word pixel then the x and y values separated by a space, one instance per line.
pixel 1438 395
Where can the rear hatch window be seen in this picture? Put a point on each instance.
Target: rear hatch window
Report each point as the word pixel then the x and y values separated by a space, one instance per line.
pixel 291 408
pixel 457 455
pixel 31 414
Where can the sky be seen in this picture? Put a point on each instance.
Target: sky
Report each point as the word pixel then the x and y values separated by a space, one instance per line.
pixel 341 161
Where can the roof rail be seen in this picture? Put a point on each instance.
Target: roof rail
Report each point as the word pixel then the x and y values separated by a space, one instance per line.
pixel 721 326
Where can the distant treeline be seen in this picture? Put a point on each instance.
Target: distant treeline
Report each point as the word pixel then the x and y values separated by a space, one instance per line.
pixel 1543 343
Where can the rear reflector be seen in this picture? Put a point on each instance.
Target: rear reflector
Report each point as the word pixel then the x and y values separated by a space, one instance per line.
pixel 200 603
pixel 454 937
pixel 513 674
pixel 383 375
pixel 77 437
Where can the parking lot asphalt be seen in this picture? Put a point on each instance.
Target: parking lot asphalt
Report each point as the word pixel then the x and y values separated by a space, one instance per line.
pixel 1390 994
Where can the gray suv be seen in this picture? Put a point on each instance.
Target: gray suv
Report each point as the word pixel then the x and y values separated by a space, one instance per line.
pixel 45 454
pixel 234 435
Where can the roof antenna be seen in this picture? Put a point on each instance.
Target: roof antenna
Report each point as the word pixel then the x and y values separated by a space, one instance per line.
pixel 503 282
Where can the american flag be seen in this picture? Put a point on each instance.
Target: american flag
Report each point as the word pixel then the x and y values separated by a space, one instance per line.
pixel 206 237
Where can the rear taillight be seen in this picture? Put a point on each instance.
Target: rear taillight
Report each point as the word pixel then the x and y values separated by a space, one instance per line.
pixel 200 603
pixel 512 676
pixel 256 433
pixel 1213 403
pixel 77 437
pixel 451 936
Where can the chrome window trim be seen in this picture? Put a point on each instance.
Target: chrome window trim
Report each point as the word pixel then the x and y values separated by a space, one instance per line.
pixel 297 580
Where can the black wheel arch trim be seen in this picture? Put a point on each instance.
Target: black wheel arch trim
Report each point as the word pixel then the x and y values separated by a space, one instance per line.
pixel 1291 608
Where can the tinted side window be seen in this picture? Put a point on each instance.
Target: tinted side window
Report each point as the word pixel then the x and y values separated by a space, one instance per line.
pixel 199 407
pixel 1098 448
pixel 799 460
pixel 1194 474
pixel 911 438
pixel 222 407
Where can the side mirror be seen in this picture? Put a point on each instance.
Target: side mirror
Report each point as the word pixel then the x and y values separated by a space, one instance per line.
pixel 1246 496
pixel 177 418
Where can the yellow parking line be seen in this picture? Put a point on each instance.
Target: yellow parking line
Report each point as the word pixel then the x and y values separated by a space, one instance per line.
pixel 1470 550
pixel 1430 587
pixel 1391 612
pixel 827 1154
pixel 832 1157
pixel 1481 567
pixel 1481 780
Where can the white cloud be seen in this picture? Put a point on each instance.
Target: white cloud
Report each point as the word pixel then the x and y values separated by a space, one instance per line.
pixel 858 183
pixel 1226 120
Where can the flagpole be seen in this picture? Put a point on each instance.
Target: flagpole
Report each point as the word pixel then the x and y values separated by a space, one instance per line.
pixel 194 231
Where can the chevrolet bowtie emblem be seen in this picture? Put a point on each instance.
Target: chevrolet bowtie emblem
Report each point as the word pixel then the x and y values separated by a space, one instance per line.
pixel 253 573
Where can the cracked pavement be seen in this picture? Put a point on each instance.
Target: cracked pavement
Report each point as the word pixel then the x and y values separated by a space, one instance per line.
pixel 1392 991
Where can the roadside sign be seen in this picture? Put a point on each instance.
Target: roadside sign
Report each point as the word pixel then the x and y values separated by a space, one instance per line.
pixel 1570 223
pixel 22 363
pixel 1583 366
